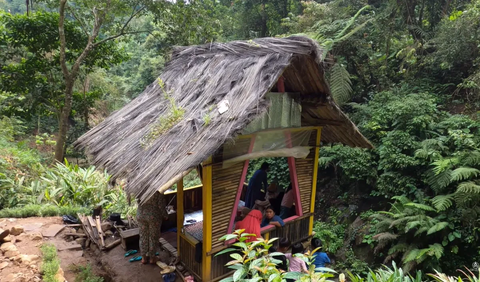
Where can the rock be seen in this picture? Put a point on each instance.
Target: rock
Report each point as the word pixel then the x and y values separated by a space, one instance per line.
pixel 3 233
pixel 106 226
pixel 11 254
pixel 6 247
pixel 28 259
pixel 60 275
pixel 108 233
pixel 36 236
pixel 81 241
pixel 3 265
pixel 80 231
pixel 7 239
pixel 10 277
pixel 16 230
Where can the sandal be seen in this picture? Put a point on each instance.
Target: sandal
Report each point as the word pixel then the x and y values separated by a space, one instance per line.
pixel 137 258
pixel 131 252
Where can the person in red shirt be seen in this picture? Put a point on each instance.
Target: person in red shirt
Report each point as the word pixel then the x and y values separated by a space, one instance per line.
pixel 251 224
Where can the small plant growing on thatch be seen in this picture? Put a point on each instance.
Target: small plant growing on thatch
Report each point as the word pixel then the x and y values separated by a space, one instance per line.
pixel 165 122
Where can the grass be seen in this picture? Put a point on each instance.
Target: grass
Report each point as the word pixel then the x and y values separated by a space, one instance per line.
pixel 85 274
pixel 41 210
pixel 50 263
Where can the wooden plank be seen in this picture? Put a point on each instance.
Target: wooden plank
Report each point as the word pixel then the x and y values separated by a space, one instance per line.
pixel 129 233
pixel 113 244
pixel 76 234
pixel 99 229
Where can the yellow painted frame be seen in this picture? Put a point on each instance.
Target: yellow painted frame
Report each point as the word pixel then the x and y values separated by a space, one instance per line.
pixel 314 180
pixel 207 219
pixel 180 212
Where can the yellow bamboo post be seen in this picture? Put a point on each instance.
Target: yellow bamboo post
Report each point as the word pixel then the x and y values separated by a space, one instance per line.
pixel 180 213
pixel 314 181
pixel 207 219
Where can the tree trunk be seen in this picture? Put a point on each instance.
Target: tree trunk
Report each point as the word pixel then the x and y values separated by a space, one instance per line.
pixel 63 128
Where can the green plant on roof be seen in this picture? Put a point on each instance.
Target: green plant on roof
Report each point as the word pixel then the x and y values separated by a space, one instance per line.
pixel 207 118
pixel 165 122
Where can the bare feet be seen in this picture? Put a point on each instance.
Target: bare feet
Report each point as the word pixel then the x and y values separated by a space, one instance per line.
pixel 153 260
pixel 144 260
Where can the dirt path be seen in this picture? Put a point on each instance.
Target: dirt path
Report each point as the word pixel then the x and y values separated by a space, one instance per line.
pixel 23 265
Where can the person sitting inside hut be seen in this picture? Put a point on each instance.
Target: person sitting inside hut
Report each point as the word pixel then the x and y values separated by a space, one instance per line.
pixel 287 203
pixel 271 218
pixel 255 186
pixel 250 223
pixel 274 197
pixel 149 217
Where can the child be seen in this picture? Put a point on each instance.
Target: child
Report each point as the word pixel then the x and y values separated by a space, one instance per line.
pixel 320 258
pixel 271 218
pixel 283 245
pixel 282 266
pixel 297 264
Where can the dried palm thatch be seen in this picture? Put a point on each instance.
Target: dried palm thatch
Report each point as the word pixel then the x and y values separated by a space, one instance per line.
pixel 174 124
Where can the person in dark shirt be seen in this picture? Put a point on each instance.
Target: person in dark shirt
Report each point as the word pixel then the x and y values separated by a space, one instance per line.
pixel 255 186
pixel 282 265
pixel 271 218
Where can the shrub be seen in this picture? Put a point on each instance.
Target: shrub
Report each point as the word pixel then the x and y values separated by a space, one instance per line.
pixel 50 263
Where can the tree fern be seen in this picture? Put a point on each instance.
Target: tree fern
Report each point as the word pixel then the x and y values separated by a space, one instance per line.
pixel 468 187
pixel 438 181
pixel 463 173
pixel 325 161
pixel 420 206
pixel 340 83
pixel 442 202
pixel 472 159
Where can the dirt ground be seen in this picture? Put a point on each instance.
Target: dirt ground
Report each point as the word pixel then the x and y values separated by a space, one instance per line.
pixel 29 242
pixel 111 265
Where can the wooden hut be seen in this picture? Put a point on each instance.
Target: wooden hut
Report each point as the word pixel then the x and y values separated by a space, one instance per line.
pixel 214 107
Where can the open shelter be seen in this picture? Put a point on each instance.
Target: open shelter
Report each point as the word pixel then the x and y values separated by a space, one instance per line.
pixel 215 107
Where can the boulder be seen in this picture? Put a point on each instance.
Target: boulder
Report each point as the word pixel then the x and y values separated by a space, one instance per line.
pixel 3 265
pixel 11 254
pixel 108 233
pixel 8 238
pixel 6 247
pixel 36 236
pixel 16 230
pixel 3 233
pixel 29 259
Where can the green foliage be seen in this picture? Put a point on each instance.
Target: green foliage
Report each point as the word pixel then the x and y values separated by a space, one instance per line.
pixel 278 170
pixel 331 234
pixel 252 261
pixel 50 262
pixel 85 274
pixel 44 210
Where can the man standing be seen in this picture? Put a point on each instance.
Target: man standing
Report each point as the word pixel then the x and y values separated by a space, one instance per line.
pixel 255 186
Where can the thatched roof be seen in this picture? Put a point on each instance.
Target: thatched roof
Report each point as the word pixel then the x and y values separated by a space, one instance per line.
pixel 134 142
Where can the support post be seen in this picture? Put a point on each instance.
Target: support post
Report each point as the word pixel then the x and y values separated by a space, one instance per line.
pixel 180 213
pixel 314 180
pixel 281 85
pixel 293 176
pixel 240 187
pixel 207 219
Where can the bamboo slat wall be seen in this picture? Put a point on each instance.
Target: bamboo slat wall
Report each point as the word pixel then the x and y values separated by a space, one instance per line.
pixel 295 230
pixel 305 175
pixel 225 183
pixel 188 257
pixel 218 265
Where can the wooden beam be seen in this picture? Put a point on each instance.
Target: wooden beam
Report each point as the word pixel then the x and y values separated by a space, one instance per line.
pixel 281 85
pixel 207 220
pixel 180 212
pixel 314 180
pixel 291 129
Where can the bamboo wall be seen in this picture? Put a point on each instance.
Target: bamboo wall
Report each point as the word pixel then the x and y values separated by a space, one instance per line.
pixel 295 230
pixel 187 250
pixel 304 169
pixel 225 183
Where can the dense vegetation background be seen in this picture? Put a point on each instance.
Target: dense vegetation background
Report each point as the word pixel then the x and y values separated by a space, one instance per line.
pixel 407 72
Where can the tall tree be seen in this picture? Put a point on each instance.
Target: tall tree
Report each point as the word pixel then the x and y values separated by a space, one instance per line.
pixel 102 21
